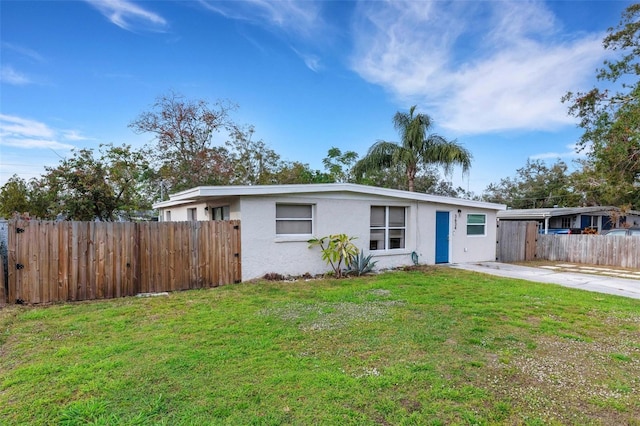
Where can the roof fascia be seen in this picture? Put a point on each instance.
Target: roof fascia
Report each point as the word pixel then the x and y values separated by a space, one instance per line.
pixel 252 190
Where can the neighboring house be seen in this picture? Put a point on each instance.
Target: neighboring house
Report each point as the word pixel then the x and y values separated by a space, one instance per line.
pixel 398 228
pixel 598 218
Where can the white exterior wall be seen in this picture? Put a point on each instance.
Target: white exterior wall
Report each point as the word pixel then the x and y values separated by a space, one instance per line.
pixel 180 213
pixel 473 248
pixel 263 252
pixel 462 247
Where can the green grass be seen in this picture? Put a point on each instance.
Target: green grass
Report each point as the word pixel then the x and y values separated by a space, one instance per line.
pixel 435 346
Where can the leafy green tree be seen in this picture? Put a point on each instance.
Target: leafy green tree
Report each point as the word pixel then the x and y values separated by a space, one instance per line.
pixel 417 148
pixel 252 162
pixel 42 201
pixel 392 176
pixel 339 165
pixel 88 187
pixel 591 183
pixel 184 150
pixel 296 172
pixel 535 186
pixel 14 197
pixel 610 116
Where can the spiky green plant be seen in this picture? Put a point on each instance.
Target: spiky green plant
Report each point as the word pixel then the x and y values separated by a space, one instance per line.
pixel 360 264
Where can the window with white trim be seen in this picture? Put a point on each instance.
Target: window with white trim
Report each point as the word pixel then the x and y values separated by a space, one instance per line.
pixel 388 228
pixel 220 213
pixel 294 219
pixel 192 214
pixel 476 224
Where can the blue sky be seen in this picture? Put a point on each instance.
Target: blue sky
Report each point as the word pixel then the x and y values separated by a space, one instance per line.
pixel 308 75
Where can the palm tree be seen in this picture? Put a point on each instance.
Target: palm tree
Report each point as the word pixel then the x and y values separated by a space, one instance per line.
pixel 417 148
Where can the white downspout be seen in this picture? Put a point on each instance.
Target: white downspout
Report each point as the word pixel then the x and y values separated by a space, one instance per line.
pixel 546 225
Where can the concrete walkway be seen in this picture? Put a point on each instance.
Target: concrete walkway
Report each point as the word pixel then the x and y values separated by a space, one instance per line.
pixel 601 284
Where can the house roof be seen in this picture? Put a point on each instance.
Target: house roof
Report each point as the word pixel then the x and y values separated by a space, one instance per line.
pixel 532 214
pixel 202 193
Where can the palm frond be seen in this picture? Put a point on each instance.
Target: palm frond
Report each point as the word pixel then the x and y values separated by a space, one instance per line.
pixel 446 153
pixel 417 147
pixel 380 155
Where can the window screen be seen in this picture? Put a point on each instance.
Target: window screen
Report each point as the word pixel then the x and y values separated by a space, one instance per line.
pixel 294 219
pixel 476 224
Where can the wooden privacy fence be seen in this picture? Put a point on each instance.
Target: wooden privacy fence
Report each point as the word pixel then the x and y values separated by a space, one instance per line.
pixel 61 261
pixel 516 241
pixel 623 251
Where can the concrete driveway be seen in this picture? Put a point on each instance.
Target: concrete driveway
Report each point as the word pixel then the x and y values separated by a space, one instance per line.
pixel 598 283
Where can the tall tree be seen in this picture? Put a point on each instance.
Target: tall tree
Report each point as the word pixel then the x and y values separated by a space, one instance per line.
pixel 535 186
pixel 591 182
pixel 417 148
pixel 299 173
pixel 90 187
pixel 339 165
pixel 252 162
pixel 14 197
pixel 610 116
pixel 184 130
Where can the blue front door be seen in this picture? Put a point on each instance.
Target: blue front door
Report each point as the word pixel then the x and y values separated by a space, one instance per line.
pixel 442 237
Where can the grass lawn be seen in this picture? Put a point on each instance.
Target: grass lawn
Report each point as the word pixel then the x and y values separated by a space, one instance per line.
pixel 424 347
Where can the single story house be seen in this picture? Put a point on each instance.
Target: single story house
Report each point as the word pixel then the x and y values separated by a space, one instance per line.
pixel 398 228
pixel 598 218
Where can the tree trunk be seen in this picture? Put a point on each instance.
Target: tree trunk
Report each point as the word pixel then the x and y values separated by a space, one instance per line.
pixel 411 177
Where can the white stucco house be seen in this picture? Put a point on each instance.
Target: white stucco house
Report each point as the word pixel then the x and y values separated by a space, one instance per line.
pixel 398 228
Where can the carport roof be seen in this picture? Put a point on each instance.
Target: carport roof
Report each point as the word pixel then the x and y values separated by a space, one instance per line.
pixel 533 214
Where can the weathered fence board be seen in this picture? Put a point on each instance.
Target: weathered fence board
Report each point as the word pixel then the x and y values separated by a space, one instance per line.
pixel 4 293
pixel 590 249
pixel 60 261
pixel 516 241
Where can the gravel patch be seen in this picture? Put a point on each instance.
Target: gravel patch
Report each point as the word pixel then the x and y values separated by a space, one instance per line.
pixel 331 316
pixel 571 381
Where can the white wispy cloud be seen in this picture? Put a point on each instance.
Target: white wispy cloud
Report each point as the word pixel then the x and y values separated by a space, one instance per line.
pixel 19 132
pixel 312 61
pixel 299 21
pixel 9 75
pixel 23 51
pixel 571 153
pixel 27 143
pixel 73 135
pixel 476 67
pixel 129 16
pixel 291 16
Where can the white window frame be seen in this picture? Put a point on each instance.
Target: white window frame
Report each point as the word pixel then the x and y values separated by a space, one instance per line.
pixel 296 219
pixel 387 228
pixel 484 225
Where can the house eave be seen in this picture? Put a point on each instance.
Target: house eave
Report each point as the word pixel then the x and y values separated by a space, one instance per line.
pixel 203 192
